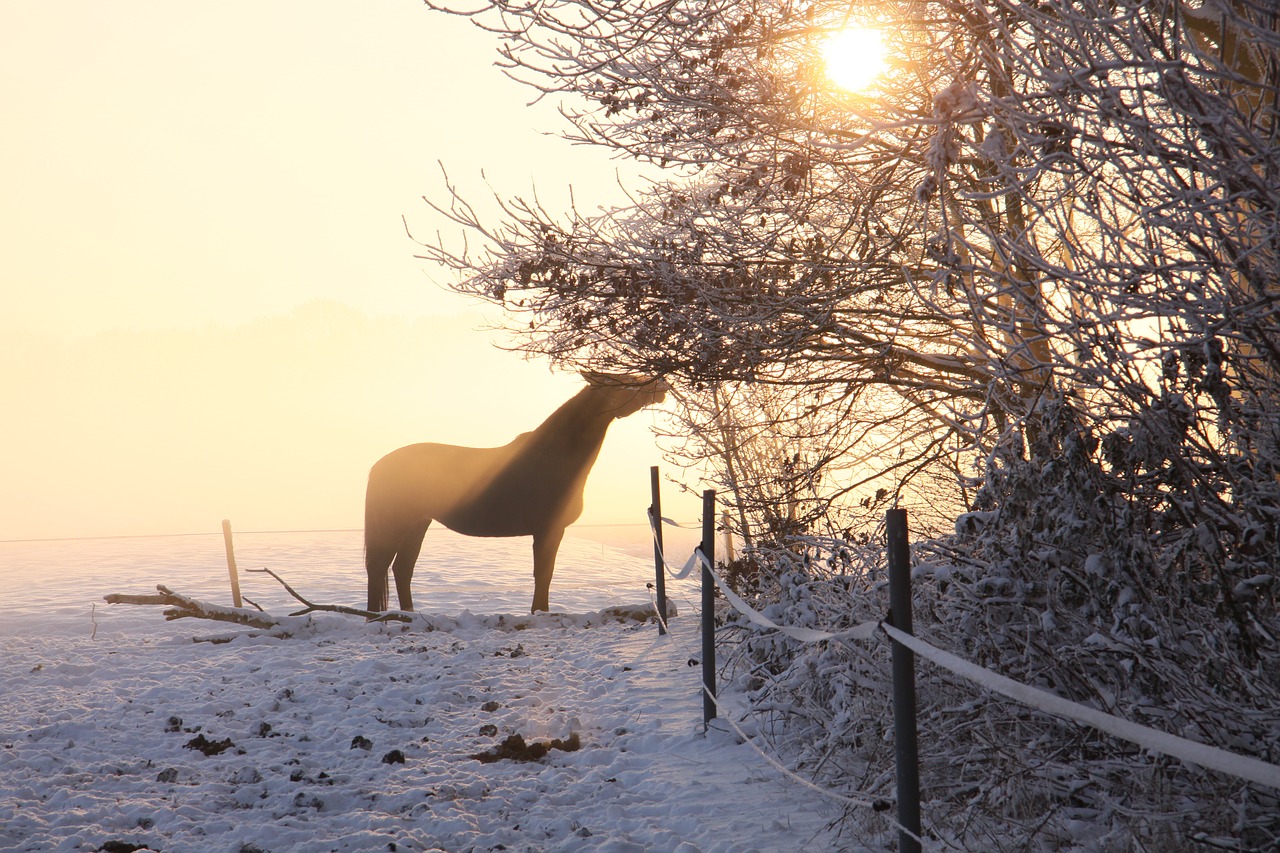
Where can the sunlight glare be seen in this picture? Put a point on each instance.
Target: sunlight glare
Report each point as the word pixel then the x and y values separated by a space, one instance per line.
pixel 854 56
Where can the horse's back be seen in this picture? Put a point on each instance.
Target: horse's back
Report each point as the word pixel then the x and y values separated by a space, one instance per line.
pixel 468 489
pixel 425 470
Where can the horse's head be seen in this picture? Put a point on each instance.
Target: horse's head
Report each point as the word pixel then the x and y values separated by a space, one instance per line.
pixel 626 394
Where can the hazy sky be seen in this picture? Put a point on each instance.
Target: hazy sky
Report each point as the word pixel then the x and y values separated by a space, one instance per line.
pixel 210 307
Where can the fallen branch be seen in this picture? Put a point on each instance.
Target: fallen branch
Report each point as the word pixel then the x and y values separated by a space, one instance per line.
pixel 182 607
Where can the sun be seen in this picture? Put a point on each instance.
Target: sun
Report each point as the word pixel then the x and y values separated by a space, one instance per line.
pixel 855 56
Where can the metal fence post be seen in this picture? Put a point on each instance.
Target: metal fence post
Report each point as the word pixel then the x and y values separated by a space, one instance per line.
pixel 708 549
pixel 659 561
pixel 904 683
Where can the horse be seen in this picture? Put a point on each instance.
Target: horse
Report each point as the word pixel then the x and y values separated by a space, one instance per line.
pixel 529 487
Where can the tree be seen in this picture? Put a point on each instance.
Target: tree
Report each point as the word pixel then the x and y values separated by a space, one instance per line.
pixel 1058 202
pixel 779 251
pixel 1040 254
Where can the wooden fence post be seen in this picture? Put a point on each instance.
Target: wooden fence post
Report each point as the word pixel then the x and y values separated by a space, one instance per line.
pixel 727 535
pixel 904 683
pixel 708 549
pixel 231 564
pixel 659 560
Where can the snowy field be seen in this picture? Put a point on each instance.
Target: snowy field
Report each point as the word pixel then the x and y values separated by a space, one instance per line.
pixel 119 733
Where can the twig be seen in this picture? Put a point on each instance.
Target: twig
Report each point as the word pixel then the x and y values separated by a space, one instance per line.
pixel 334 608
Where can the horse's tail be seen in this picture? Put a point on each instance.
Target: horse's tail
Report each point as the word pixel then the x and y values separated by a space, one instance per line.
pixel 379 546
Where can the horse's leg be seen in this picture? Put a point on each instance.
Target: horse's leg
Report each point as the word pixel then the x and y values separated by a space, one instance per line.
pixel 545 547
pixel 406 558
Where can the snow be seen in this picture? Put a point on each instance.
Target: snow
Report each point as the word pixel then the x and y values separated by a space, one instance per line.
pixel 356 737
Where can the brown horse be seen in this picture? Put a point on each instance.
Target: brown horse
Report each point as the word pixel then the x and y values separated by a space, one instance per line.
pixel 530 487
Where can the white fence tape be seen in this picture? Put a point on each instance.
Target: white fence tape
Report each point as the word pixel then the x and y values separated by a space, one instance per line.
pixel 864 631
pixel 1153 740
pixel 689 564
pixel 725 714
pixel 1241 766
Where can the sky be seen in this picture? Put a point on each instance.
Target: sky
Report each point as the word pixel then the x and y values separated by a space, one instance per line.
pixel 209 302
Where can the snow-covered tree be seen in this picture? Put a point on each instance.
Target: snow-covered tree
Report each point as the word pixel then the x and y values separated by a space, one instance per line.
pixel 1037 260
pixel 1055 201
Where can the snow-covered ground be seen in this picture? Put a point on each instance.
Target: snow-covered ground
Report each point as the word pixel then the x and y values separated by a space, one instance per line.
pixel 119 732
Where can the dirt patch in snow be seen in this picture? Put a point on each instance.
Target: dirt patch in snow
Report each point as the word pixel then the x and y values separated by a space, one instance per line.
pixel 514 748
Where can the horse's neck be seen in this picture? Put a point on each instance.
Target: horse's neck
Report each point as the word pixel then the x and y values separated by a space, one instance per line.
pixel 578 425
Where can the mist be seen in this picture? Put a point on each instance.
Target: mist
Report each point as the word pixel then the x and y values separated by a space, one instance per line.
pixel 273 423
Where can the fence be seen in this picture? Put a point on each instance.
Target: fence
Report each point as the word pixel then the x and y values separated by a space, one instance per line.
pixel 897 629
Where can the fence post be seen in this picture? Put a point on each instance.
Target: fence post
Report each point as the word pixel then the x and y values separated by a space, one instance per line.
pixel 708 549
pixel 231 564
pixel 729 554
pixel 904 683
pixel 659 561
